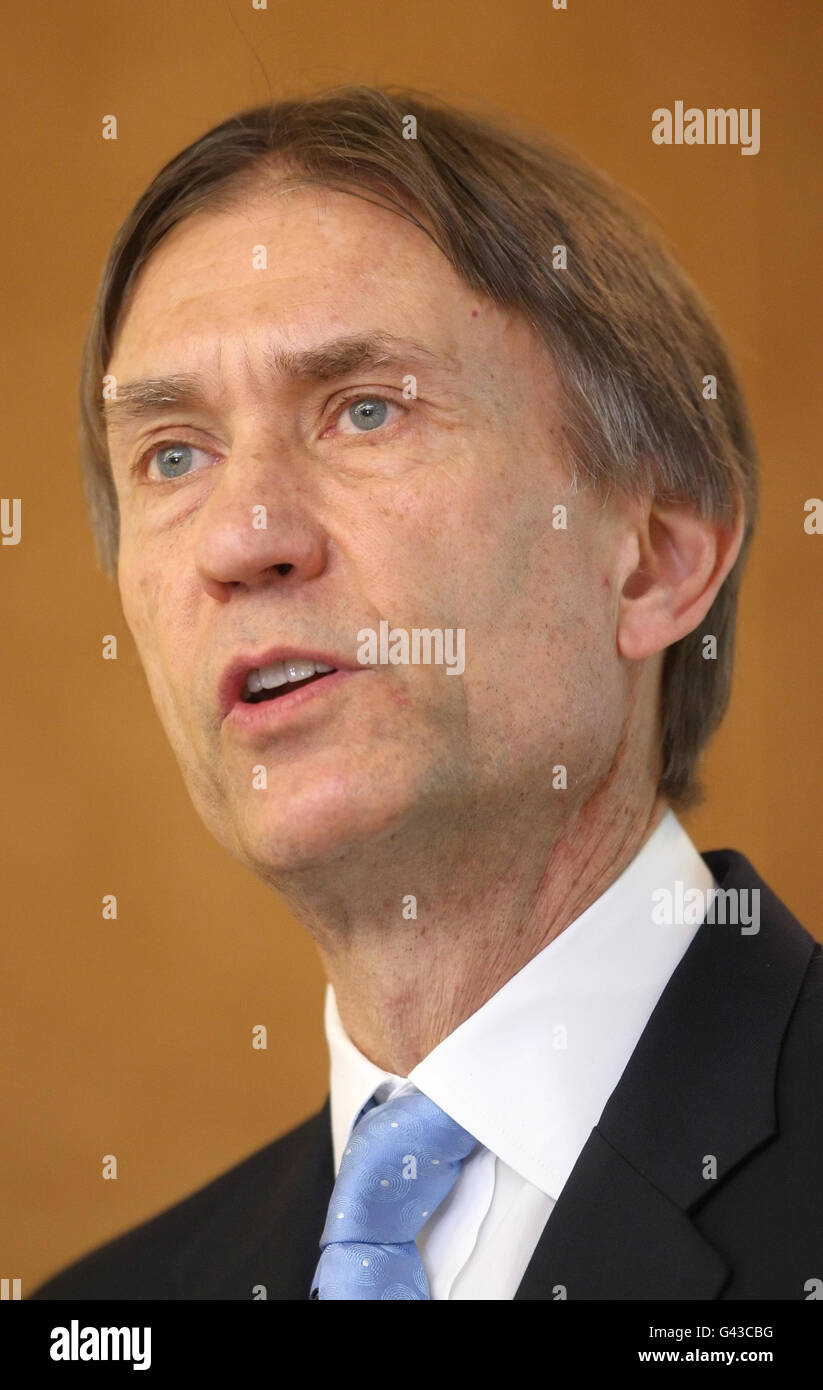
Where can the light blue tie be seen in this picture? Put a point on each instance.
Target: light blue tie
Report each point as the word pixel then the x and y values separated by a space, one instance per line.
pixel 402 1159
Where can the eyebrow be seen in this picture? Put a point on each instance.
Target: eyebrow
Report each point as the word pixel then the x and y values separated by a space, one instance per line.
pixel 138 400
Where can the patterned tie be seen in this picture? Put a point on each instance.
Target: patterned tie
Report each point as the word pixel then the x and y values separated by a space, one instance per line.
pixel 402 1159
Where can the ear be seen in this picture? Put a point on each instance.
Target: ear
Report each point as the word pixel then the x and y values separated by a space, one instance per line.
pixel 679 564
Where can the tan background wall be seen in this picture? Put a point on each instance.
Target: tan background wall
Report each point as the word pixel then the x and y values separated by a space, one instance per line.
pixel 133 1037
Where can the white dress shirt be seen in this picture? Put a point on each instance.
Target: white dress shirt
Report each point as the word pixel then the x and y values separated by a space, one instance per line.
pixel 530 1072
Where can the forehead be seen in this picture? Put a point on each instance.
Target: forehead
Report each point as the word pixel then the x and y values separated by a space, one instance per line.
pixel 302 259
pixel 295 267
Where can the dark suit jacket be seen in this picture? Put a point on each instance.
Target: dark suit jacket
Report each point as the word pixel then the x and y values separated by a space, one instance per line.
pixel 730 1064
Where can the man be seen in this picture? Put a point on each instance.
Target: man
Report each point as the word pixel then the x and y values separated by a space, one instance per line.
pixel 371 384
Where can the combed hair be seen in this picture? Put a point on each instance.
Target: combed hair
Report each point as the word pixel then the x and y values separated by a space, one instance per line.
pixel 630 335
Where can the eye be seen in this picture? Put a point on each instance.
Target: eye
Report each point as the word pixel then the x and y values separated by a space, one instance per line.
pixel 174 459
pixel 363 414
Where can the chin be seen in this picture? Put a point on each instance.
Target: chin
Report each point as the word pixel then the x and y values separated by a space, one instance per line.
pixel 322 826
pixel 273 852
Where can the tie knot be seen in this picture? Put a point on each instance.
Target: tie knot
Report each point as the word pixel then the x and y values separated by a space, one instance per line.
pixel 402 1158
pixel 409 1121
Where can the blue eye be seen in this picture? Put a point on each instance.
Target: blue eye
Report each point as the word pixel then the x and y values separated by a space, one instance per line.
pixel 173 460
pixel 368 413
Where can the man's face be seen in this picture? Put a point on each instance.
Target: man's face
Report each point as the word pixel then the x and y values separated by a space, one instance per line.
pixel 430 511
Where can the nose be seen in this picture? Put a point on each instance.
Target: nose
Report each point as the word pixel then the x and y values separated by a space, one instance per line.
pixel 260 526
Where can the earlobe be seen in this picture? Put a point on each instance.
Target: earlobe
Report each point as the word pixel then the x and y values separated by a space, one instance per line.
pixel 683 559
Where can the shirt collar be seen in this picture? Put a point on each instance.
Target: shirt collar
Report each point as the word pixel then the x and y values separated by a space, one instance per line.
pixel 530 1071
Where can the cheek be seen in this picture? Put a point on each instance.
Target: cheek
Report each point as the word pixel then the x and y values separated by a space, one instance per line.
pixel 143 599
pixel 541 644
pixel 150 607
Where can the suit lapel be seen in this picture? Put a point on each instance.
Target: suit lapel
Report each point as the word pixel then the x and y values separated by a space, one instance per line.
pixel 699 1085
pixel 612 1235
pixel 287 1258
pixel 264 1230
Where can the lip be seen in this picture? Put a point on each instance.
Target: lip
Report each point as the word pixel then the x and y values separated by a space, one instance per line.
pixel 233 679
pixel 266 715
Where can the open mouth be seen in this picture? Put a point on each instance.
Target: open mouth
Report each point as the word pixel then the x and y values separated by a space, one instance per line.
pixel 270 682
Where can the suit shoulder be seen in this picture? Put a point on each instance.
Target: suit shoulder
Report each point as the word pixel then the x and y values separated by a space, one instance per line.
pixel 142 1263
pixel 784 938
pixel 804 1036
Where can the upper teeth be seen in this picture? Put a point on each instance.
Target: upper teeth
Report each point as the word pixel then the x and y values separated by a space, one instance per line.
pixel 267 677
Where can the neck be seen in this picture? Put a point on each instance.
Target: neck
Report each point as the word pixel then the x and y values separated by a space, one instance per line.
pixel 414 942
